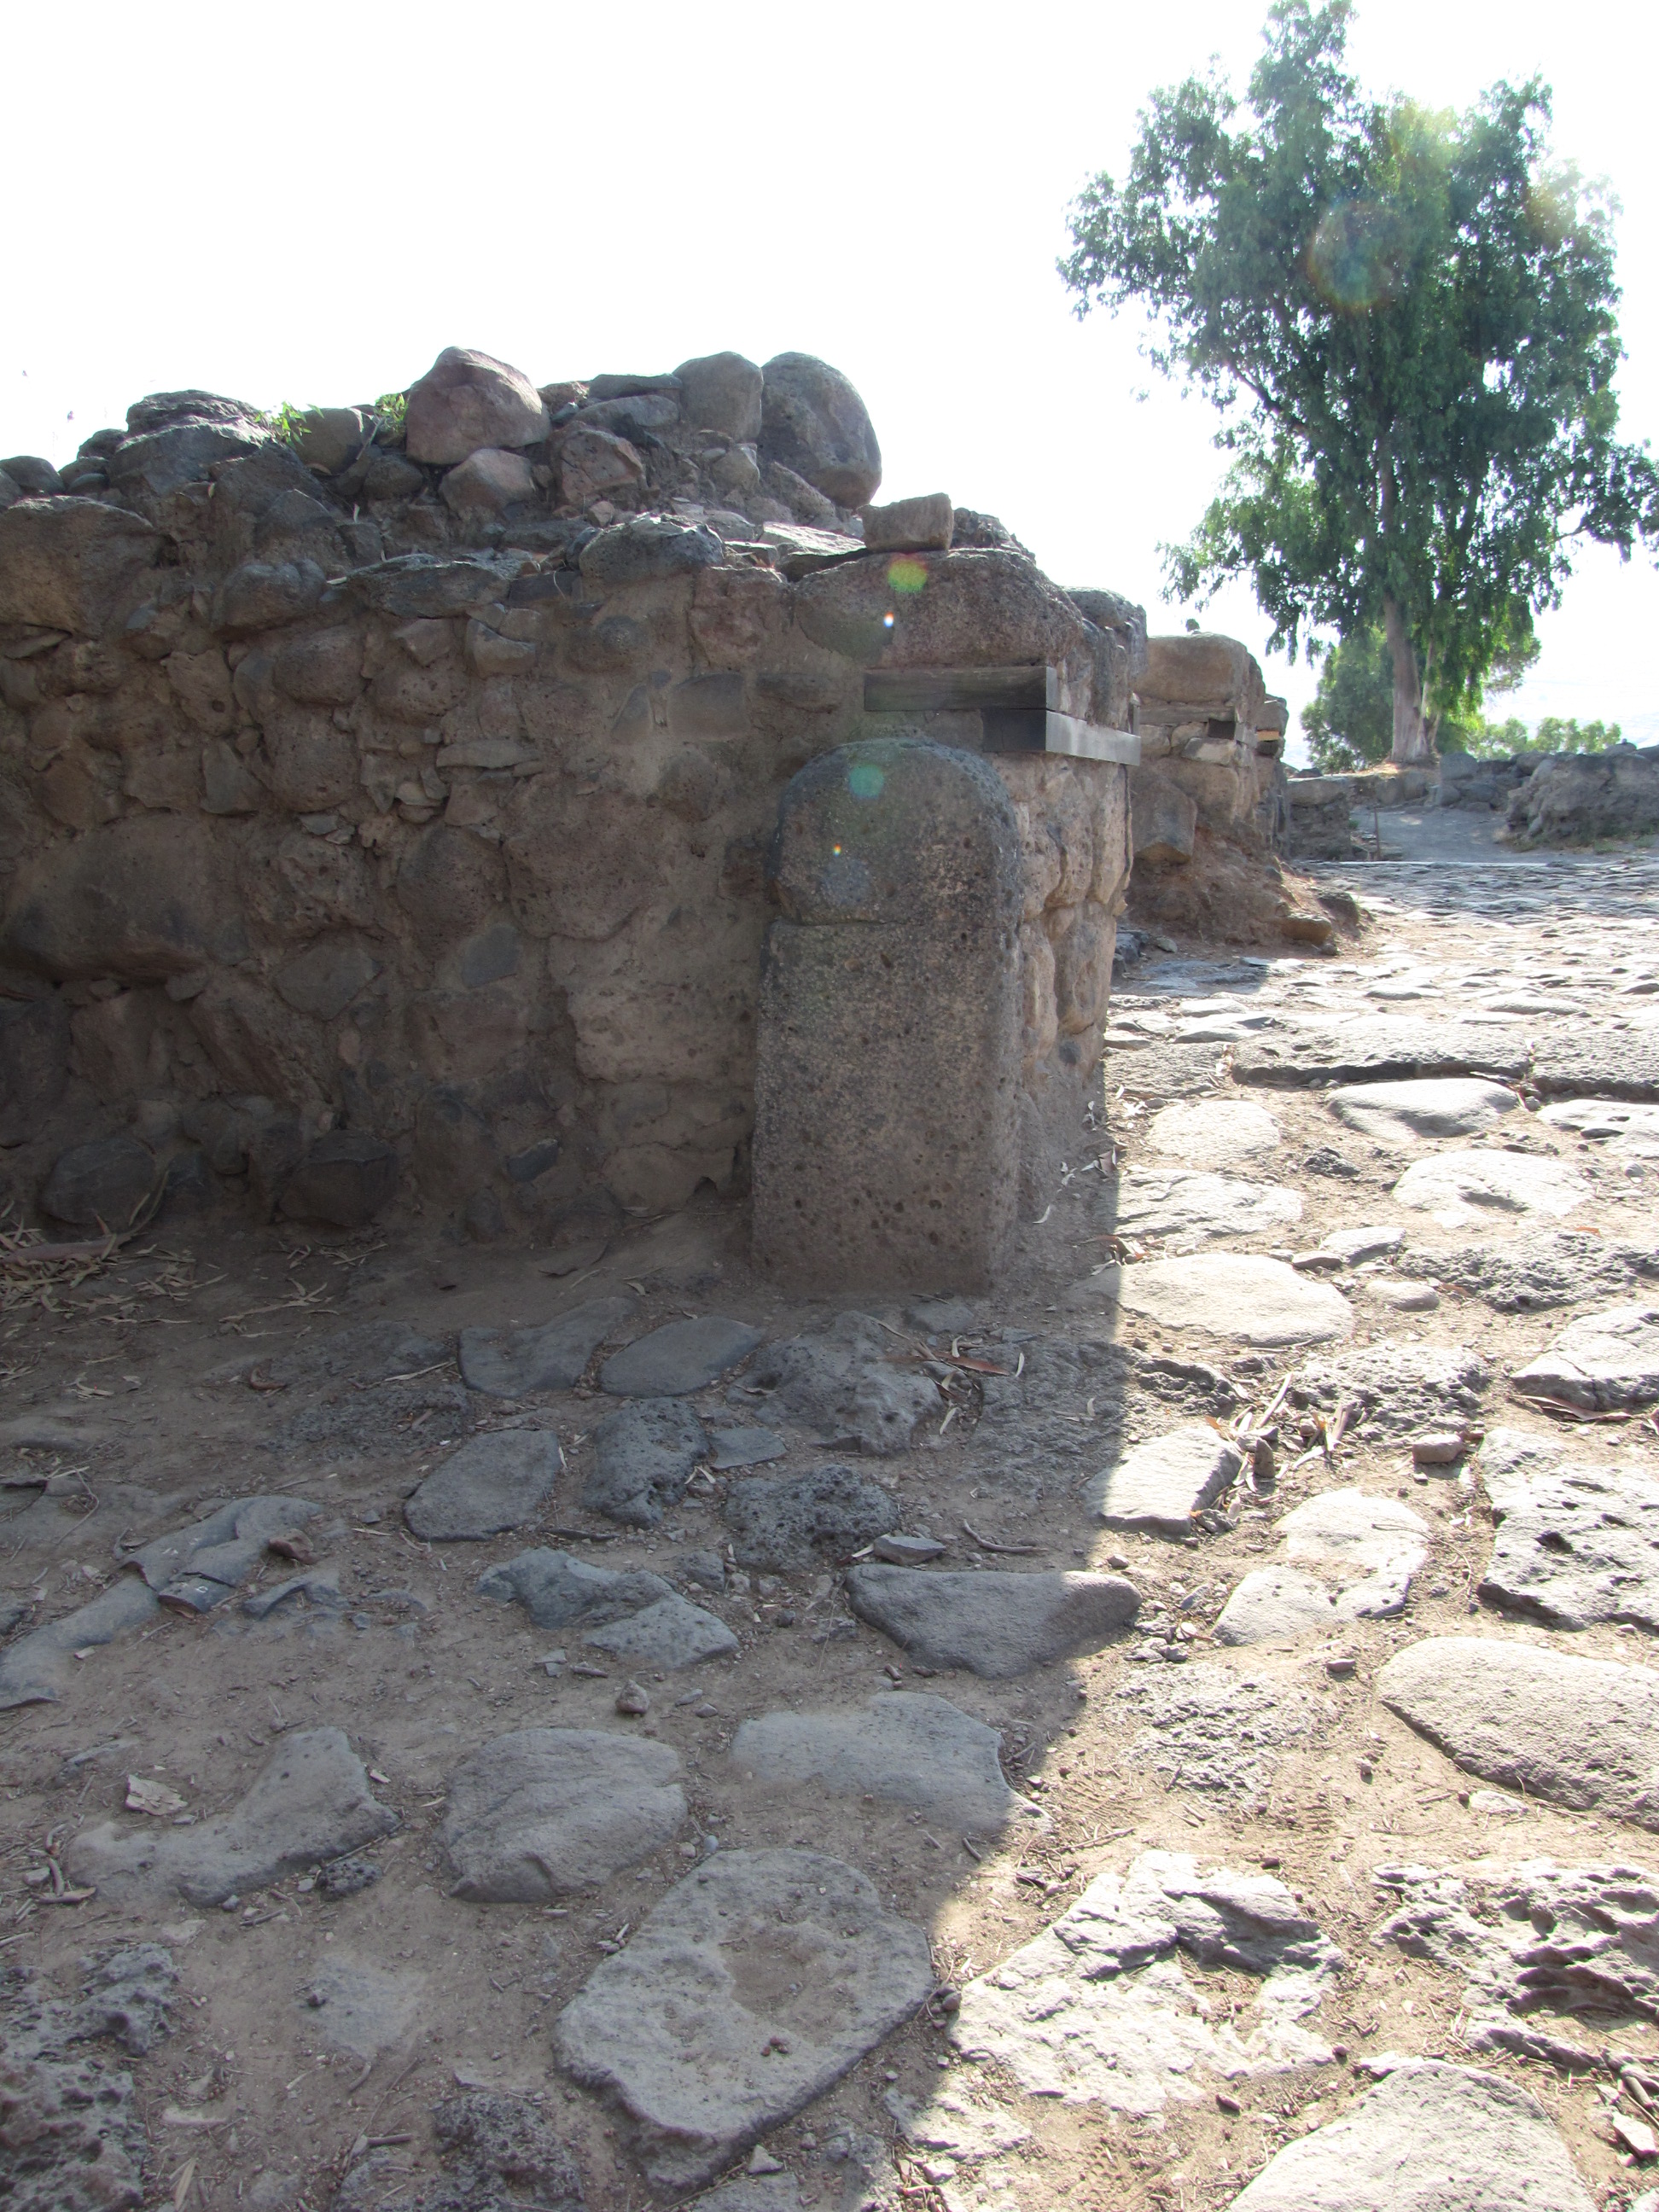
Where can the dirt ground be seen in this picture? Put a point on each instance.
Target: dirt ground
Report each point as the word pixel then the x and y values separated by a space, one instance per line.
pixel 133 1400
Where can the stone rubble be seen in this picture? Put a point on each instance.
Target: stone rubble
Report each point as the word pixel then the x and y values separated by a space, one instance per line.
pixel 1577 1537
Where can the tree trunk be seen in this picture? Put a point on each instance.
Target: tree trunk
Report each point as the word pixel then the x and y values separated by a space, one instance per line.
pixel 1412 741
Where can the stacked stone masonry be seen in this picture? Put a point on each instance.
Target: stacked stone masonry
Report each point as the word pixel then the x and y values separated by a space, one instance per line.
pixel 1211 742
pixel 386 794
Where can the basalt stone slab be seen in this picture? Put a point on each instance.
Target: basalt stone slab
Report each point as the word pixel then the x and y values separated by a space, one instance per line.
pixel 683 1357
pixel 1190 1202
pixel 68 563
pixel 356 2005
pixel 1458 1188
pixel 847 1384
pixel 887 1083
pixel 1599 1926
pixel 33 1671
pixel 1404 1386
pixel 1578 1732
pixel 557 1590
pixel 311 1803
pixel 492 1483
pixel 754 1985
pixel 1577 1537
pixel 1162 1485
pixel 993 1623
pixel 1206 1727
pixel 1213 1132
pixel 807 1520
pixel 730 1449
pixel 643 1455
pixel 1629 1127
pixel 1454 1106
pixel 541 1811
pixel 1098 2010
pixel 1431 2138
pixel 1233 1295
pixel 1579 1062
pixel 508 1362
pixel 1381 1050
pixel 1345 1557
pixel 1551 1267
pixel 909 1748
pixel 1164 1070
pixel 373 1352
pixel 671 1634
pixel 1602 1361
pixel 200 1566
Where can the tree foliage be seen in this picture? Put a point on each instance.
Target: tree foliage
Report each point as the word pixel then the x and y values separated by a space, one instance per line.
pixel 1407 320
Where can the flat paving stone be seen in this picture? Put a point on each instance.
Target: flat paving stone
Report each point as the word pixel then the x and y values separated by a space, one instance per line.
pixel 1454 1106
pixel 956 2122
pixel 671 1634
pixel 993 1623
pixel 541 1811
pixel 685 1356
pixel 1236 1296
pixel 357 2005
pixel 1098 2010
pixel 731 1449
pixel 1625 1127
pixel 557 1590
pixel 841 1384
pixel 1402 1388
pixel 1430 2138
pixel 1603 1951
pixel 509 1362
pixel 1208 1727
pixel 311 1803
pixel 1381 1050
pixel 1213 1132
pixel 493 1483
pixel 1547 1267
pixel 1458 1188
pixel 1345 1557
pixel 1162 1484
pixel 749 1990
pixel 1165 1070
pixel 1578 1732
pixel 197 1567
pixel 1578 1062
pixel 909 1748
pixel 799 1520
pixel 643 1457
pixel 33 1669
pixel 1577 1538
pixel 1165 1202
pixel 1601 1362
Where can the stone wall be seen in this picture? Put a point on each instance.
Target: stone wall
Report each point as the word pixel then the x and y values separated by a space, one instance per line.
pixel 1211 744
pixel 385 804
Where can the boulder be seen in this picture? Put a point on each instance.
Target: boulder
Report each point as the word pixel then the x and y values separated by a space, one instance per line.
pixel 957 609
pixel 643 1456
pixel 541 1811
pixel 35 478
pixel 467 400
pixel 102 1186
pixel 328 438
pixel 162 461
pixel 924 523
pixel 68 563
pixel 646 546
pixel 592 463
pixel 1573 798
pixel 721 391
pixel 489 482
pixel 264 595
pixel 345 1178
pixel 34 1043
pixel 841 1384
pixel 813 421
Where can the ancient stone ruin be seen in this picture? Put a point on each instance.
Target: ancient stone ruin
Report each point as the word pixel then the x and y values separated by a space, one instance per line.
pixel 408 803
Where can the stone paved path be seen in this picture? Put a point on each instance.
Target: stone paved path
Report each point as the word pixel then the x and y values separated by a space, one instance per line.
pixel 572 1841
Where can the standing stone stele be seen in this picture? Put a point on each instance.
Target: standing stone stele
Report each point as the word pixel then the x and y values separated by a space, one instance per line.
pixel 886 1088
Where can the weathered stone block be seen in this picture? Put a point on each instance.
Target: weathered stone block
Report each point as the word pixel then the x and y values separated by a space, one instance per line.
pixel 64 563
pixel 1165 819
pixel 813 421
pixel 924 523
pixel 466 400
pixel 142 900
pixel 721 391
pixel 886 1151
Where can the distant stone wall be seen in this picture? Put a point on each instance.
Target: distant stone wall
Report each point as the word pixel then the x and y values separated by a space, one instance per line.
pixel 1211 745
pixel 385 805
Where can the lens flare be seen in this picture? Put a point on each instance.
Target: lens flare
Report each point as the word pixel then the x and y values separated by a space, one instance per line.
pixel 864 781
pixel 906 574
pixel 1356 258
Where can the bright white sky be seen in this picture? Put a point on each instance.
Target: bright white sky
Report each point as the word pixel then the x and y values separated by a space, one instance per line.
pixel 307 203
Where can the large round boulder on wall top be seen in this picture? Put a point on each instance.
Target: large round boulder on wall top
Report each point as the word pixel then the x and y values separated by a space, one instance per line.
pixel 813 421
pixel 466 401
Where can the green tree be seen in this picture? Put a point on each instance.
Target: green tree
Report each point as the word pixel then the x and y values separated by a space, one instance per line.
pixel 1349 721
pixel 1407 320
